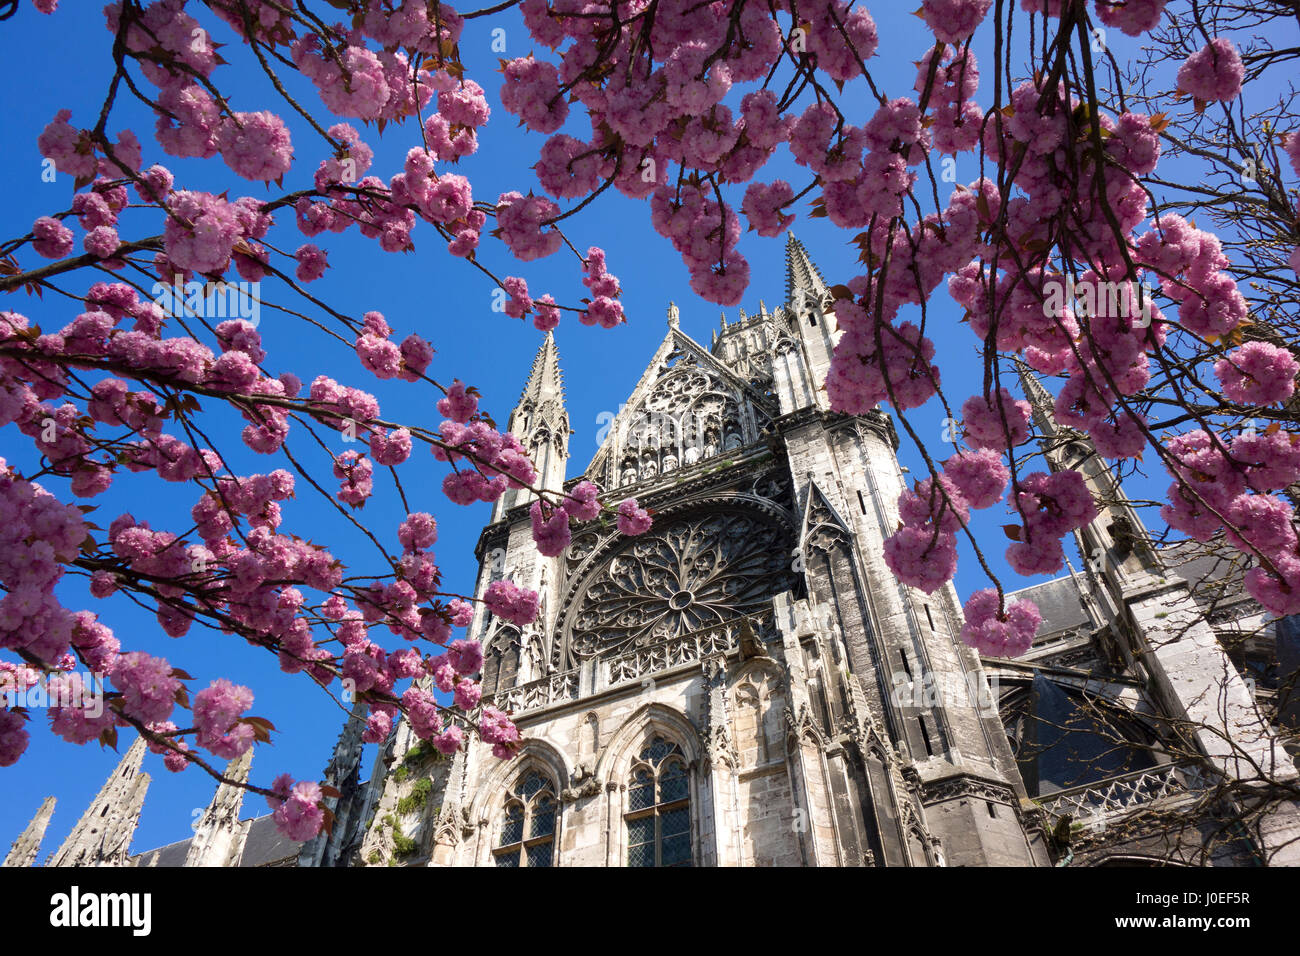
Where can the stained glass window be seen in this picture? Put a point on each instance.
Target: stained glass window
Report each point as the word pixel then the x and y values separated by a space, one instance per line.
pixel 659 807
pixel 527 834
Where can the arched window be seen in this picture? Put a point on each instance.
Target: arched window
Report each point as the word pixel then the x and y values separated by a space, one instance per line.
pixel 527 834
pixel 659 807
pixel 1063 739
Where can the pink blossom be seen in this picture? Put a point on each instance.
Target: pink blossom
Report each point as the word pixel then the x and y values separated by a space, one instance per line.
pixel 422 712
pixel 465 657
pixel 417 354
pixel 763 204
pixel 989 423
pixel 449 741
pixel 51 238
pixel 1213 73
pixel 13 736
pixel 602 311
pixel 459 404
pixel 462 612
pixel 147 685
pixel 497 729
pixel 298 814
pixel 102 241
pixel 521 221
pixel 980 476
pixel 922 557
pixel 550 529
pixel 583 503
pixel 1134 17
pixel 418 531
pixel 520 301
pixel 311 262
pixel 1279 593
pixel 1257 373
pixel 531 90
pixel 633 519
pixel 216 709
pixel 933 505
pixel 202 233
pixel 392 448
pixel 255 145
pixel 547 315
pixel 81 714
pixel 468 694
pixel 997 634
pixel 511 603
pixel 952 21
pixel 355 471
pixel 71 150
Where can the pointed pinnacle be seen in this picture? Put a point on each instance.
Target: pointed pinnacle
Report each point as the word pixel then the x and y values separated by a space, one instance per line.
pixel 545 372
pixel 800 272
pixel 1040 400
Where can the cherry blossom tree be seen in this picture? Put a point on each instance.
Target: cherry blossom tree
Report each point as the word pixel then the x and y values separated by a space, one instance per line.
pixel 1057 255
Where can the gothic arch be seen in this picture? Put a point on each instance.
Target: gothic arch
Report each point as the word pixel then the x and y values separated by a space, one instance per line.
pixel 618 753
pixel 619 757
pixel 919 847
pixel 809 777
pixel 496 790
pixel 532 752
pixel 868 767
pixel 503 659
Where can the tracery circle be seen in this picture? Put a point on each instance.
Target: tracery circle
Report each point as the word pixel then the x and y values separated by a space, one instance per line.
pixel 692 574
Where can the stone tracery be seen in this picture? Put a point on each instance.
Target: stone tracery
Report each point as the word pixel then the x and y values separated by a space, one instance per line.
pixel 695 573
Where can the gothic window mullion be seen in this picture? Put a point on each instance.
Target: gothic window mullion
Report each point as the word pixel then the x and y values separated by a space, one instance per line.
pixel 658 816
pixel 527 834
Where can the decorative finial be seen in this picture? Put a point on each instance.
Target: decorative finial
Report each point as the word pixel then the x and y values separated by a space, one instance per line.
pixel 673 315
pixel 722 319
pixel 762 308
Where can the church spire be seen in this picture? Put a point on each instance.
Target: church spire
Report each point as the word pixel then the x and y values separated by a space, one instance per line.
pixel 217 835
pixel 544 379
pixel 343 774
pixel 102 837
pixel 1117 533
pixel 1040 401
pixel 541 424
pixel 801 276
pixel 25 848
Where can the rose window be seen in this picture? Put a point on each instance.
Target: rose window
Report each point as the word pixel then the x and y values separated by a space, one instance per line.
pixel 690 576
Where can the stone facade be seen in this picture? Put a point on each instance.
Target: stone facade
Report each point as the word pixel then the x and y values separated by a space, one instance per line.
pixel 748 685
pixel 742 685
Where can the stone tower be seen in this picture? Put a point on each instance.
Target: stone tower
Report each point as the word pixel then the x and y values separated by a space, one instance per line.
pixel 219 835
pixel 28 844
pixel 746 684
pixel 102 837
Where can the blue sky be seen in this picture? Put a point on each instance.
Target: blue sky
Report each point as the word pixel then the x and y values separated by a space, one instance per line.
pixel 425 291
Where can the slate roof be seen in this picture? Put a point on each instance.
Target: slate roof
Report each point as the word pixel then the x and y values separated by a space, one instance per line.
pixel 1059 602
pixel 263 847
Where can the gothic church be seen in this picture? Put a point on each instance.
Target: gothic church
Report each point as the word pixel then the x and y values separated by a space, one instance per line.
pixel 748 685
